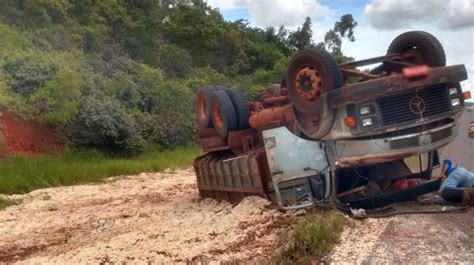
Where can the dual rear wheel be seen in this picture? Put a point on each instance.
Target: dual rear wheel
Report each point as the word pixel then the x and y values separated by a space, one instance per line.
pixel 222 108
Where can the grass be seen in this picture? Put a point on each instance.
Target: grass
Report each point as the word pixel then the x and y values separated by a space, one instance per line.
pixel 22 175
pixel 4 203
pixel 311 237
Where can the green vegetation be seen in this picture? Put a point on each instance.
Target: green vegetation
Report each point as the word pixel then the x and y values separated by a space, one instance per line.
pixel 120 75
pixel 4 203
pixel 21 175
pixel 312 237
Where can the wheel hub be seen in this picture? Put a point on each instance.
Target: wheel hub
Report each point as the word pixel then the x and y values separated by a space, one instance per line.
pixel 308 83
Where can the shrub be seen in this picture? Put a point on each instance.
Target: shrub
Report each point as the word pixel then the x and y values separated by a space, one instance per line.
pixel 101 123
pixel 57 100
pixel 168 130
pixel 29 73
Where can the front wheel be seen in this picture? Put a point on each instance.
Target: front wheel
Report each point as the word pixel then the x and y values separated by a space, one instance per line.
pixel 419 48
pixel 311 74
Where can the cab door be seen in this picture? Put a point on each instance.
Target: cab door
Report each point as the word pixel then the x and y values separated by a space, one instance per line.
pixel 299 169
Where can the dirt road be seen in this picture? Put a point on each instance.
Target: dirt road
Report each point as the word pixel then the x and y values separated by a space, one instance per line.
pixel 408 239
pixel 421 238
pixel 155 218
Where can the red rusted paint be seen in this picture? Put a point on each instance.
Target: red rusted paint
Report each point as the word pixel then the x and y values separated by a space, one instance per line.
pixel 372 89
pixel 232 178
pixel 271 118
pixel 308 83
pixel 351 72
pixel 416 71
pixel 276 100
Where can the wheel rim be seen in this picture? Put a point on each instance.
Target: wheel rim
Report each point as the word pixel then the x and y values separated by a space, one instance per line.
pixel 308 123
pixel 201 107
pixel 308 83
pixel 218 118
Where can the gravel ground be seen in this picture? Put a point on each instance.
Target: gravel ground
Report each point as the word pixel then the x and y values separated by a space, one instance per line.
pixel 408 239
pixel 155 218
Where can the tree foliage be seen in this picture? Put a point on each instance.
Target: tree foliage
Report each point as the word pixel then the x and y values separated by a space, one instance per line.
pixel 343 29
pixel 118 75
pixel 302 37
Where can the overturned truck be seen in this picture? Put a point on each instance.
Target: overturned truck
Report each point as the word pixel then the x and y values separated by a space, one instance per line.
pixel 331 133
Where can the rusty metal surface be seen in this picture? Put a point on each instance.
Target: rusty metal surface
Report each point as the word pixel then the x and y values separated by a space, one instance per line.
pixel 272 117
pixel 211 141
pixel 243 141
pixel 276 100
pixel 351 72
pixel 416 72
pixel 232 178
pixel 369 61
pixel 237 141
pixel 372 89
pixel 308 83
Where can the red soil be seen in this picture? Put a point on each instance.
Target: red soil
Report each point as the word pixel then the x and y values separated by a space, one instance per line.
pixel 24 137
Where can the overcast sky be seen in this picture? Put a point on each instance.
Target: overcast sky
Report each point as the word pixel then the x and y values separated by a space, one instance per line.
pixel 451 21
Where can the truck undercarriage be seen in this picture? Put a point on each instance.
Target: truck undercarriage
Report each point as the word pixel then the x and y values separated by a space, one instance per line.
pixel 333 134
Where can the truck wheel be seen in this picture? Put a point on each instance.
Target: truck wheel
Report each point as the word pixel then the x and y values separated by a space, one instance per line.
pixel 311 74
pixel 223 113
pixel 240 106
pixel 316 126
pixel 203 111
pixel 419 47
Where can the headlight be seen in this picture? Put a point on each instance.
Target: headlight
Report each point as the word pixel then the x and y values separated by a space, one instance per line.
pixel 364 110
pixel 455 102
pixel 453 91
pixel 367 122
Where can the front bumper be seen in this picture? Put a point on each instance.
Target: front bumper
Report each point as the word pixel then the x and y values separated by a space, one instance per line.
pixel 383 149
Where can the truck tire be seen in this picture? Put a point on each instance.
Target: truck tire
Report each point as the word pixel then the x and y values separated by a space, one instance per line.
pixel 241 108
pixel 311 74
pixel 203 110
pixel 419 47
pixel 223 113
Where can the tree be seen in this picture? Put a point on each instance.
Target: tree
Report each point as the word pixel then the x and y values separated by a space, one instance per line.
pixel 302 37
pixel 344 28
